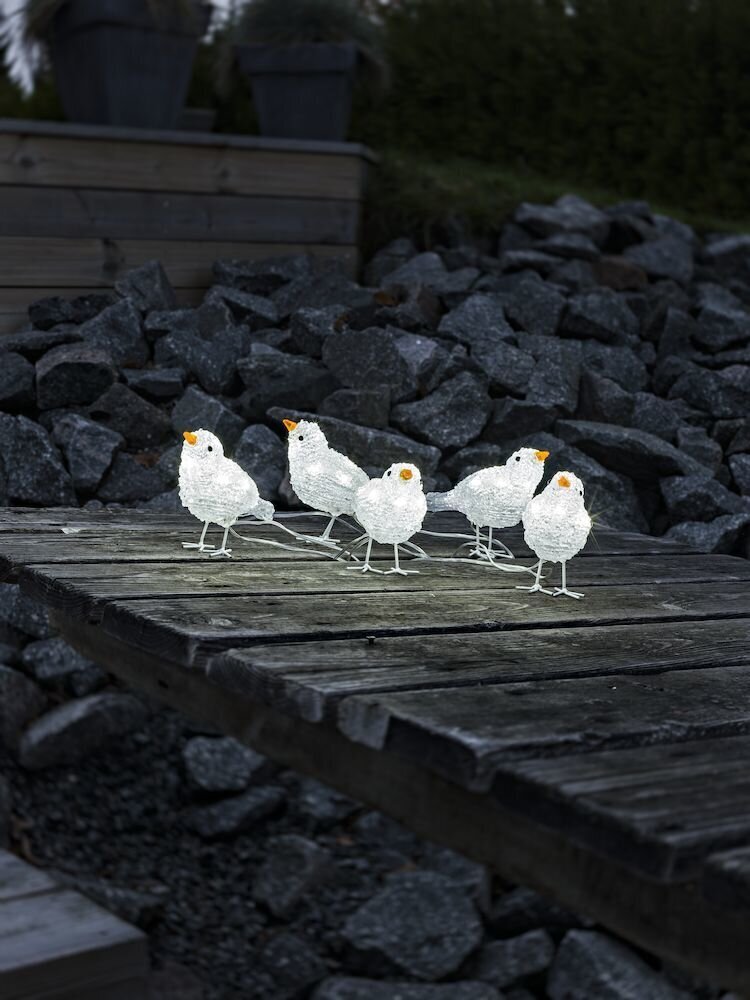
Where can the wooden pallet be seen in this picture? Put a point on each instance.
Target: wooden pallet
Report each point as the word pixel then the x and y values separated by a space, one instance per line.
pixel 57 945
pixel 81 204
pixel 596 750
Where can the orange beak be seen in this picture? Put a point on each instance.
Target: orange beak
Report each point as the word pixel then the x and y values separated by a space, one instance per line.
pixel 290 425
pixel 190 437
pixel 541 455
pixel 406 474
pixel 563 481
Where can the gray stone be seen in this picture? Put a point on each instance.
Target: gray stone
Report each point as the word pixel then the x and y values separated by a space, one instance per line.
pixel 148 286
pixel 427 361
pixel 473 878
pixel 632 452
pixel 740 469
pixel 32 344
pixel 574 275
pixel 293 964
pixel 5 812
pixel 719 535
pixel 221 765
pixel 569 214
pixel 292 867
pixel 157 383
pixel 476 456
pixel 350 988
pixel 424 269
pixel 276 379
pixel 697 498
pixel 512 418
pixel 120 409
pixel 22 613
pixel 16 382
pixel 477 318
pixel 679 330
pixel 611 497
pixel 235 815
pixel 118 332
pixel 502 963
pixel 366 359
pixel 129 480
pixel 720 327
pixel 533 305
pixel 420 923
pixel 450 417
pixel 589 964
pixel 326 283
pixel 263 456
pixel 533 260
pixel 89 450
pixel 739 439
pixel 508 368
pixel 76 729
pixel 174 981
pixel 655 416
pixel 387 259
pixel 556 377
pixel 602 315
pixel 57 666
pixel 208 347
pixel 569 245
pixel 619 273
pixel 367 446
pixel 321 806
pixel 49 312
pixel 522 909
pixel 711 392
pixel 666 257
pixel 261 277
pixel 369 407
pixel 695 441
pixel 196 409
pixel 71 375
pixel 253 311
pixel 604 400
pixel 310 327
pixel 20 702
pixel 31 470
pixel 142 907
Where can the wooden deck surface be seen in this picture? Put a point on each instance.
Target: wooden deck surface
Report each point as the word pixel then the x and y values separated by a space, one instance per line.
pixel 597 749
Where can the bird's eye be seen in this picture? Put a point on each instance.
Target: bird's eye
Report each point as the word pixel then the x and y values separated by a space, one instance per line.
pixel 581 492
pixel 518 458
pixel 210 448
pixel 301 437
pixel 389 472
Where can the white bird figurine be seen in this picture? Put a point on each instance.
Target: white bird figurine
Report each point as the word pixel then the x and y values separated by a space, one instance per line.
pixel 391 509
pixel 556 525
pixel 322 478
pixel 495 497
pixel 216 490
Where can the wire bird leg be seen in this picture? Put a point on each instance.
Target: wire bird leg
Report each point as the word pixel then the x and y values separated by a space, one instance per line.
pixel 201 545
pixel 366 567
pixel 396 568
pixel 537 584
pixel 564 589
pixel 223 551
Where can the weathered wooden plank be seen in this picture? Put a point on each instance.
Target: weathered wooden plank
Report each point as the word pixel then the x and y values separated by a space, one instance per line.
pixel 726 878
pixel 17 879
pixel 81 588
pixel 660 809
pixel 59 943
pixel 221 168
pixel 30 260
pixel 673 920
pixel 164 215
pixel 309 680
pixel 190 630
pixel 465 734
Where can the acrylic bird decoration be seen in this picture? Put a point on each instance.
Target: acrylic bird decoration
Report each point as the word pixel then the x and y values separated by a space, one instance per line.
pixel 391 509
pixel 495 497
pixel 215 489
pixel 556 526
pixel 322 478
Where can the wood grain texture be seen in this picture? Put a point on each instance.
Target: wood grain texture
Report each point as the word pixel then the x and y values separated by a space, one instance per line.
pixel 216 168
pixel 17 879
pixel 30 261
pixel 162 215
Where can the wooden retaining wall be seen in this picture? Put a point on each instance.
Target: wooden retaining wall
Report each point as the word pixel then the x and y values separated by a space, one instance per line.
pixel 81 204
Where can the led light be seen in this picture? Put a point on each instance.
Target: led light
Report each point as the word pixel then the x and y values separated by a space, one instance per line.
pixel 391 509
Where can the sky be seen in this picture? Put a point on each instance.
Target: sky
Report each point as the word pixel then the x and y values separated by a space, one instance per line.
pixel 18 62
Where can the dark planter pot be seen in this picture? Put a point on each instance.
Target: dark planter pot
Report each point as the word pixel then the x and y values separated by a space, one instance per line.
pixel 301 91
pixel 115 65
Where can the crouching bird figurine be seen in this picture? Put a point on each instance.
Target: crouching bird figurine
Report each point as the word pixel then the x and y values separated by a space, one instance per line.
pixel 215 489
pixel 556 525
pixel 391 509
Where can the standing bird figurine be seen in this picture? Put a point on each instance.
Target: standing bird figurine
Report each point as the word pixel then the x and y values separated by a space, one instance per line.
pixel 556 525
pixel 391 509
pixel 322 478
pixel 495 497
pixel 216 490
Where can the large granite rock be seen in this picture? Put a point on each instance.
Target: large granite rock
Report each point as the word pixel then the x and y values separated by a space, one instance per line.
pixel 350 988
pixel 231 816
pixel 293 866
pixel 89 450
pixel 31 469
pixel 273 378
pixel 142 424
pixel 118 332
pixel 632 452
pixel 20 702
pixel 147 287
pixel 196 409
pixel 221 765
pixel 450 417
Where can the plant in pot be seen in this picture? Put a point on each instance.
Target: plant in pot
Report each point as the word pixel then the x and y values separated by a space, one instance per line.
pixel 302 58
pixel 119 62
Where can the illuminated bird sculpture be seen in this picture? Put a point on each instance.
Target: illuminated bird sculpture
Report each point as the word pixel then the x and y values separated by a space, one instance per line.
pixel 495 497
pixel 556 525
pixel 216 490
pixel 391 509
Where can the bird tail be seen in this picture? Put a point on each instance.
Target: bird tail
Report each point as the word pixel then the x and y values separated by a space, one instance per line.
pixel 440 501
pixel 263 510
